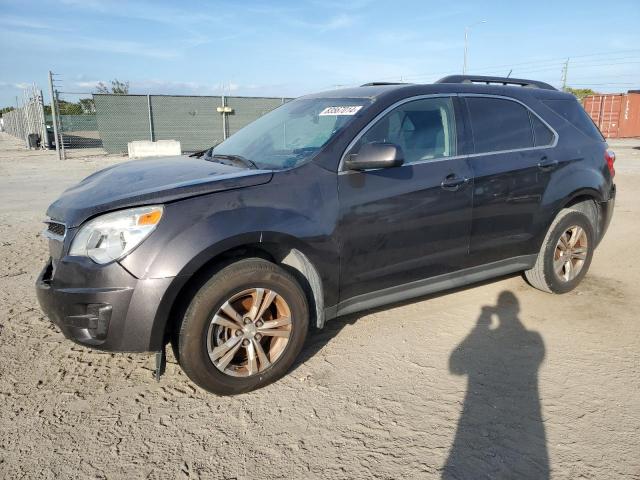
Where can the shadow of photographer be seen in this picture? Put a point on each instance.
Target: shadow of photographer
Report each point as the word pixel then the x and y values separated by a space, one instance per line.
pixel 500 432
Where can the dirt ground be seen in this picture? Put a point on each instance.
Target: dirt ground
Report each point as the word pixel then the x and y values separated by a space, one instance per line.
pixel 436 388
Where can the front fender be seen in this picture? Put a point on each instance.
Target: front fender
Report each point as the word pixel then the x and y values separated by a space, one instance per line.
pixel 297 209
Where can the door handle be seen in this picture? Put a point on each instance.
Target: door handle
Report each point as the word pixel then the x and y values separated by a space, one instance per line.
pixel 547 165
pixel 453 183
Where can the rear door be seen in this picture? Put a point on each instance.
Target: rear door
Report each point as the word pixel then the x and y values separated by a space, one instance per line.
pixel 402 224
pixel 512 164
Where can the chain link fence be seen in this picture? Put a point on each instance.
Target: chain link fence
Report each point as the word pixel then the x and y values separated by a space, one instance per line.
pixel 27 122
pixel 108 122
pixel 111 121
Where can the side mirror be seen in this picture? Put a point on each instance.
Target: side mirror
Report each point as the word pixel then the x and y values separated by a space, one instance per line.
pixel 375 155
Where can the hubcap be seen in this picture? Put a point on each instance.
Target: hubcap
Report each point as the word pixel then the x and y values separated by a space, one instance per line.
pixel 249 332
pixel 570 253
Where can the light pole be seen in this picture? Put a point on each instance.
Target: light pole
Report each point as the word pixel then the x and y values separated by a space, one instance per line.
pixel 466 43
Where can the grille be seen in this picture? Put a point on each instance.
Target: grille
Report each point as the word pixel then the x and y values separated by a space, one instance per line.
pixel 56 229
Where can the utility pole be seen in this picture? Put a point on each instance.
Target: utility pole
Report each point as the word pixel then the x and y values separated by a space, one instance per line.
pixel 54 115
pixel 63 154
pixel 466 44
pixel 565 69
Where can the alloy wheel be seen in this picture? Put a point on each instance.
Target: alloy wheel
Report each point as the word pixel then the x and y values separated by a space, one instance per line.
pixel 249 332
pixel 570 253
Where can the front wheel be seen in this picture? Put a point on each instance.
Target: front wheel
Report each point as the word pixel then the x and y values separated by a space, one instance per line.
pixel 244 328
pixel 566 254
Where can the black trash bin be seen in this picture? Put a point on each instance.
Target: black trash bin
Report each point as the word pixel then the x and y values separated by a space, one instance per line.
pixel 34 140
pixel 51 139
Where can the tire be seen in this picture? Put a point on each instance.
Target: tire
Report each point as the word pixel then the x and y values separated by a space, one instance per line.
pixel 544 276
pixel 206 327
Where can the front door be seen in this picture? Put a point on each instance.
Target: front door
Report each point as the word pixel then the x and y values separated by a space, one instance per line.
pixel 403 224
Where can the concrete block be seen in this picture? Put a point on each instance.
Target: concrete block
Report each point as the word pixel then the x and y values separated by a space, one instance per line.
pixel 147 148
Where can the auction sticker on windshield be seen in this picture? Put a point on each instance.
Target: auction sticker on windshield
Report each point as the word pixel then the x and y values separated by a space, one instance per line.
pixel 344 110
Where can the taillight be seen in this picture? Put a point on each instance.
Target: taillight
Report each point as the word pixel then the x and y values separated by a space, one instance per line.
pixel 610 157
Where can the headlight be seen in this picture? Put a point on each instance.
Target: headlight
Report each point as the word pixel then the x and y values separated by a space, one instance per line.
pixel 111 236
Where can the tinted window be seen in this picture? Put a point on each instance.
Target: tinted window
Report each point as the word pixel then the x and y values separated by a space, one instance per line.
pixel 424 129
pixel 573 112
pixel 499 124
pixel 541 133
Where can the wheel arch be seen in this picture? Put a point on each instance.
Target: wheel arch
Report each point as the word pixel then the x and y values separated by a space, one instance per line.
pixel 283 250
pixel 590 197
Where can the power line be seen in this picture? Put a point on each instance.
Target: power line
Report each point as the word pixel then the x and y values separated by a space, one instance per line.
pixel 542 63
pixel 577 66
pixel 546 64
pixel 602 84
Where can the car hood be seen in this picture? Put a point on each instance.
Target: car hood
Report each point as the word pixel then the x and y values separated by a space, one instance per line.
pixel 143 182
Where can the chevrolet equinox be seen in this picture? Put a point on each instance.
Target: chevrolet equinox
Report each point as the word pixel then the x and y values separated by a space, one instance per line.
pixel 331 204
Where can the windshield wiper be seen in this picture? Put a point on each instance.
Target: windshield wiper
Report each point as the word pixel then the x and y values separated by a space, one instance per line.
pixel 237 159
pixel 205 152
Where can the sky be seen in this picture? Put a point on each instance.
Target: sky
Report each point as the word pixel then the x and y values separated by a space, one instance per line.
pixel 290 48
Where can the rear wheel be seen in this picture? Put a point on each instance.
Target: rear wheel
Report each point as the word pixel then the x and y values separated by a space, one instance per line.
pixel 566 253
pixel 244 328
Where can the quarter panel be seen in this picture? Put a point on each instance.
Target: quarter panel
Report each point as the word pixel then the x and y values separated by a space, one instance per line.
pixel 584 174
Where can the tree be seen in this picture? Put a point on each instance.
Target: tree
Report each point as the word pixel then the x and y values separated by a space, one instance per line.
pixel 68 108
pixel 87 105
pixel 117 87
pixel 6 110
pixel 580 93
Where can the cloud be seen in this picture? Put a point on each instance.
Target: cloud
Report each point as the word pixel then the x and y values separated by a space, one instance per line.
pixel 154 86
pixel 23 22
pixel 149 11
pixel 416 39
pixel 92 84
pixel 336 22
pixel 125 47
pixel 298 16
pixel 339 21
pixel 351 5
pixel 15 85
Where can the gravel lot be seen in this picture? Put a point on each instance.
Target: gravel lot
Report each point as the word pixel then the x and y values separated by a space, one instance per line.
pixel 439 387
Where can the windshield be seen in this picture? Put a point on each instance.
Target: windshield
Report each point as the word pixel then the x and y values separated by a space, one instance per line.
pixel 292 133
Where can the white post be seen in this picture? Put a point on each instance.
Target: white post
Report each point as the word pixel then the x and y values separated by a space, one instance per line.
pixel 54 115
pixel 150 118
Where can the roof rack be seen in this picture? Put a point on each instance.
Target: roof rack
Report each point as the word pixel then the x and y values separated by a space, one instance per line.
pixel 378 84
pixel 495 80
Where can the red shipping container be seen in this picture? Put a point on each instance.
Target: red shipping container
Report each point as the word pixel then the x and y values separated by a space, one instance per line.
pixel 617 115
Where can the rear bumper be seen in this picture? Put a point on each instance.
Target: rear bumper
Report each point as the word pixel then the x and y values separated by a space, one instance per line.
pixel 606 209
pixel 102 306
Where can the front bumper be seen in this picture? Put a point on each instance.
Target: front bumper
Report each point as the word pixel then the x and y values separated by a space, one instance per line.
pixel 103 306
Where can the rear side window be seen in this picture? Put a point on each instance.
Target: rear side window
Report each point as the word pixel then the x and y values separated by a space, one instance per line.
pixel 542 136
pixel 573 113
pixel 499 124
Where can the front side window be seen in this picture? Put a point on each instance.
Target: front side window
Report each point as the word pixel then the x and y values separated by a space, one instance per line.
pixel 499 124
pixel 292 133
pixel 424 129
